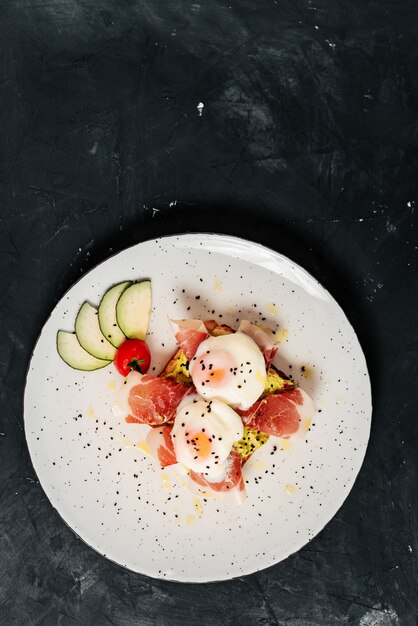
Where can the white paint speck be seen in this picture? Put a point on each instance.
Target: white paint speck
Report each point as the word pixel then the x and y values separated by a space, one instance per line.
pixel 93 149
pixel 86 581
pixel 154 211
pixel 369 281
pixel 331 44
pixel 409 548
pixel 390 228
pixel 380 617
pixel 316 27
pixel 173 203
pixel 200 108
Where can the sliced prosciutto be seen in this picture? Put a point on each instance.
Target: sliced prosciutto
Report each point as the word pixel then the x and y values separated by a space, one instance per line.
pixel 154 400
pixel 161 446
pixel 232 482
pixel 265 341
pixel 189 335
pixel 279 414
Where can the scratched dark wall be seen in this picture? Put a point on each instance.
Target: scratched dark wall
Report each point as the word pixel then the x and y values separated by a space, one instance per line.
pixel 307 142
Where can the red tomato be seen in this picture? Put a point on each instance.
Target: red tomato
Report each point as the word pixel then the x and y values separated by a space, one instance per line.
pixel 132 354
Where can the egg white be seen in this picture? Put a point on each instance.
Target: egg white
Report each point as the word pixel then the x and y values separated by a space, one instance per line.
pixel 221 424
pixel 245 369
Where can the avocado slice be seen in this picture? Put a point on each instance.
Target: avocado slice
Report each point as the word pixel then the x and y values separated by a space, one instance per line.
pixel 133 310
pixel 89 334
pixel 74 355
pixel 107 314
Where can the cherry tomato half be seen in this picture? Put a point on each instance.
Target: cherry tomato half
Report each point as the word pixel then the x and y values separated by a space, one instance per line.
pixel 132 354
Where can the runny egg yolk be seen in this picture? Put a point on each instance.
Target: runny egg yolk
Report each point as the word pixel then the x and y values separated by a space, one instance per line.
pixel 202 444
pixel 213 369
pixel 216 377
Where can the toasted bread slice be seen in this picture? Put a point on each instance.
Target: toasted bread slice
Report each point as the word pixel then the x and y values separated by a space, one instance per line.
pixel 216 330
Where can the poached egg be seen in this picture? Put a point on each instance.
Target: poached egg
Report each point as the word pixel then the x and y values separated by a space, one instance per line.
pixel 203 434
pixel 230 368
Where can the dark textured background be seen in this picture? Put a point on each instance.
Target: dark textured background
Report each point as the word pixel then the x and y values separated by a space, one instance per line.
pixel 308 143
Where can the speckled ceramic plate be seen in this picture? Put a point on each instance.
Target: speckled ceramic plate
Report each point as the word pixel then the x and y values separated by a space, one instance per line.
pixel 111 494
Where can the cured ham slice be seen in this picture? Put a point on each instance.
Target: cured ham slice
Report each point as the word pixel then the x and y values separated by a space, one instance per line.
pixel 161 446
pixel 189 335
pixel 265 341
pixel 279 414
pixel 154 400
pixel 232 482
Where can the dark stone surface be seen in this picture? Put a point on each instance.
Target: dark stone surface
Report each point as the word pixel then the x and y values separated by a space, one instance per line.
pixel 307 143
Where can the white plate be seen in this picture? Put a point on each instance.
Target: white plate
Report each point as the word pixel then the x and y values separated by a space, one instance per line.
pixel 113 496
